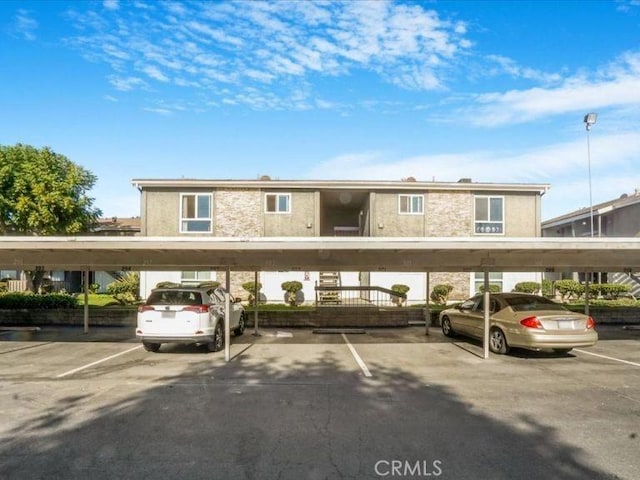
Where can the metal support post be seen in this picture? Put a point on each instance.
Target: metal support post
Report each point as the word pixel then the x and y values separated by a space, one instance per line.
pixel 256 301
pixel 86 301
pixel 487 300
pixel 427 309
pixel 227 317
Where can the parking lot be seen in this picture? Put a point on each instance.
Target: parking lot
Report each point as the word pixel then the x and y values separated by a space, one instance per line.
pixel 293 404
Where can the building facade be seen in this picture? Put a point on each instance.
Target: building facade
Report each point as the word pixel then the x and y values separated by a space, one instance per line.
pixel 307 208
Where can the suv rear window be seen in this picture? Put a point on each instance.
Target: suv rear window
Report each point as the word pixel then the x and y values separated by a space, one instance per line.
pixel 175 297
pixel 523 304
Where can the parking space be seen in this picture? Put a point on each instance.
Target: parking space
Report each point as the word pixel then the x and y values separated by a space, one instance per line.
pixel 297 404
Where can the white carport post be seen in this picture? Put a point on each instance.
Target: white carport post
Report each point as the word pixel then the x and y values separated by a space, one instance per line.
pixel 586 292
pixel 227 317
pixel 86 300
pixel 487 300
pixel 427 310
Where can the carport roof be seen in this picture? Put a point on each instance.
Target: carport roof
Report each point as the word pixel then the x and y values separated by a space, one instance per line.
pixel 321 253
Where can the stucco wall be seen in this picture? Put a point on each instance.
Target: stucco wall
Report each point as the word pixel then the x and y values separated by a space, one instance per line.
pixel 395 224
pixel 162 213
pixel 521 212
pixel 296 223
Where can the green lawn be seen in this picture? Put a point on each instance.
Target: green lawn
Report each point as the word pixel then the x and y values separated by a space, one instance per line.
pixel 97 300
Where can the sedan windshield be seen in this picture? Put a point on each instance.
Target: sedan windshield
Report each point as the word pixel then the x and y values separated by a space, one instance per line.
pixel 523 304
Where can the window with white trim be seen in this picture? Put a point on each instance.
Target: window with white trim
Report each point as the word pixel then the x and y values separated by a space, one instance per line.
pixel 495 278
pixel 277 202
pixel 195 213
pixel 489 215
pixel 195 277
pixel 411 204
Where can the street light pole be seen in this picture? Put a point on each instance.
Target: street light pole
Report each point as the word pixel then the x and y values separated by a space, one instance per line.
pixel 589 121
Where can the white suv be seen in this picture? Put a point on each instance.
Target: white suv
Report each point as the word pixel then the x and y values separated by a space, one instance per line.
pixel 183 314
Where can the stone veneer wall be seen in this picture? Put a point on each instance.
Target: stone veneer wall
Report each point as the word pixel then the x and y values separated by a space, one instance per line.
pixel 459 280
pixel 449 214
pixel 238 213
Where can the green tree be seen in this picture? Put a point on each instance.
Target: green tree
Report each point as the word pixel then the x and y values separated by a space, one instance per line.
pixel 43 193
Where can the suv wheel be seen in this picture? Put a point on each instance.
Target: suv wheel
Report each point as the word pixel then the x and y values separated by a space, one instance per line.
pixel 218 338
pixel 151 347
pixel 241 324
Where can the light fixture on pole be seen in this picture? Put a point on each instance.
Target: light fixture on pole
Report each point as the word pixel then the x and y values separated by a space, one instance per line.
pixel 590 121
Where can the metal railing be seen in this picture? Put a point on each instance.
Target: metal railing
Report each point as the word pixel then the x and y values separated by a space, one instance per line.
pixel 365 296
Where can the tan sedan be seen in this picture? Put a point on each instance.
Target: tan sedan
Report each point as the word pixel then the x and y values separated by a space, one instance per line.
pixel 520 320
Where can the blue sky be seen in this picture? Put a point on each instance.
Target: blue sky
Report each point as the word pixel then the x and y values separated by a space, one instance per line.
pixel 494 90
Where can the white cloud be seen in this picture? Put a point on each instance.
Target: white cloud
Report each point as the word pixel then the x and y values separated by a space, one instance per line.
pixel 126 84
pixel 270 46
pixel 615 85
pixel 111 4
pixel 24 25
pixel 563 165
pixel 155 73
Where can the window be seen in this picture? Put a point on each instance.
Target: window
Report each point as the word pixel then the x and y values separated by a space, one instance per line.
pixel 489 215
pixel 195 277
pixel 411 204
pixel 278 203
pixel 495 278
pixel 195 213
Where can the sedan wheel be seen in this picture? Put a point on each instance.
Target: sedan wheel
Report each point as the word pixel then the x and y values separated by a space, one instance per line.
pixel 562 351
pixel 218 338
pixel 497 341
pixel 446 327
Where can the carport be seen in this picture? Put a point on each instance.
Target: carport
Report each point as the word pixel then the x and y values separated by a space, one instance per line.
pixel 88 253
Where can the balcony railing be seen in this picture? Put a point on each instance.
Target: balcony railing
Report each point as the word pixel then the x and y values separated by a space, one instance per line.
pixel 359 297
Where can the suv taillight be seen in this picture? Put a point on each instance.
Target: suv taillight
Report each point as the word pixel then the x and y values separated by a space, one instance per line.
pixel 590 323
pixel 531 322
pixel 145 308
pixel 196 308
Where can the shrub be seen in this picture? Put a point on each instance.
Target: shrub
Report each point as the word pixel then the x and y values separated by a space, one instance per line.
pixel 401 290
pixel 440 293
pixel 527 287
pixel 610 290
pixel 291 288
pixel 569 289
pixel 15 300
pixel 251 288
pixel 3 285
pixel 126 290
pixel 94 288
pixel 493 288
pixel 547 288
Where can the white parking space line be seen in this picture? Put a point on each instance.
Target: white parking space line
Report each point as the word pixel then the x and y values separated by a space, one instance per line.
pixel 608 358
pixel 89 365
pixel 359 360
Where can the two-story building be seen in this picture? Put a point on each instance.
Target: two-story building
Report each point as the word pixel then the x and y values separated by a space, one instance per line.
pixel 614 218
pixel 316 208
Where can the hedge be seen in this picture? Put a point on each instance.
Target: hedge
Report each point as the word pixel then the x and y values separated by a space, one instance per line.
pixel 13 301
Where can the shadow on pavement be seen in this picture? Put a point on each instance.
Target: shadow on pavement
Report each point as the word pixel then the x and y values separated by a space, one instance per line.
pixel 256 418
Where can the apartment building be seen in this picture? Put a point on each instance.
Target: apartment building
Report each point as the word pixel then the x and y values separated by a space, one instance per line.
pixel 317 208
pixel 619 217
